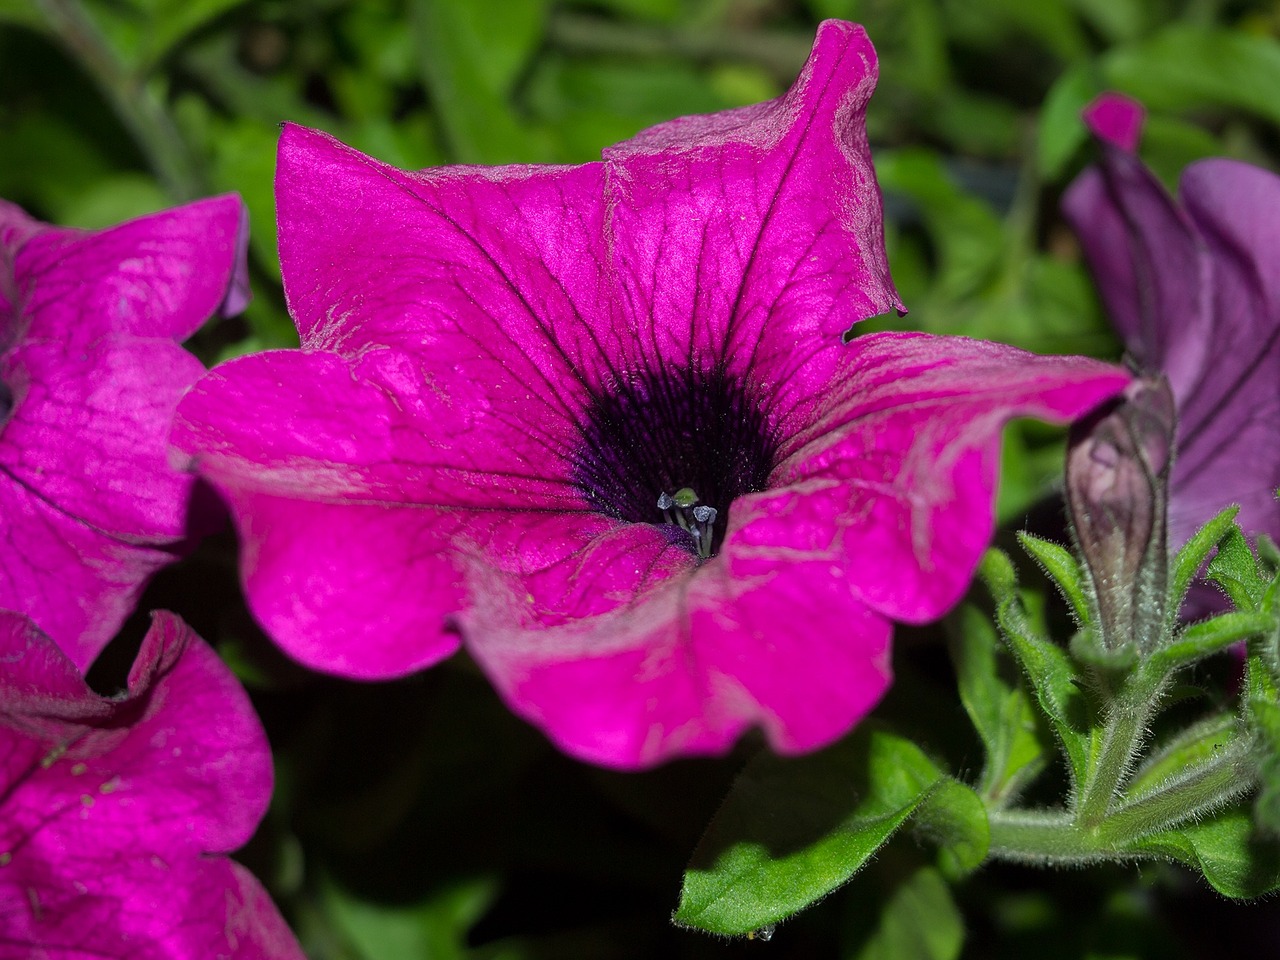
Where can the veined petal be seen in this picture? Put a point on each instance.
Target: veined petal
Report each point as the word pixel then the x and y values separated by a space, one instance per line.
pixel 130 907
pixel 689 660
pixel 895 482
pixel 371 590
pixel 754 236
pixel 162 275
pixel 77 583
pixel 134 773
pixel 1152 271
pixel 493 272
pixel 88 430
pixel 1229 414
pixel 382 427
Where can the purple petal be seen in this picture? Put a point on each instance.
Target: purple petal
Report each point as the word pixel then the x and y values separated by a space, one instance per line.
pixel 79 583
pixel 896 481
pixel 90 375
pixel 637 669
pixel 141 908
pixel 88 432
pixel 492 269
pixel 1150 269
pixel 376 428
pixel 161 275
pixel 754 236
pixel 1227 443
pixel 110 807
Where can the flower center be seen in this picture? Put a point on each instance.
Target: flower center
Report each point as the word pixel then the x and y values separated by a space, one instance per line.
pixel 674 447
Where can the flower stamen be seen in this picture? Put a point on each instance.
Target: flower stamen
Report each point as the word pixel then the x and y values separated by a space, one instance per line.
pixel 696 519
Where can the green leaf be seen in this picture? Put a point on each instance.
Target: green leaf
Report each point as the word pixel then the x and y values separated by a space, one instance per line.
pixel 469 60
pixel 1194 553
pixel 1061 567
pixel 1226 849
pixel 1062 132
pixel 1047 666
pixel 1002 715
pixel 1206 638
pixel 1192 746
pixel 1235 570
pixel 919 922
pixel 1187 66
pixel 954 818
pixel 436 928
pixel 793 830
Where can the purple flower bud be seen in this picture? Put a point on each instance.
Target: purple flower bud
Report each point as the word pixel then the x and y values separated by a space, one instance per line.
pixel 1117 490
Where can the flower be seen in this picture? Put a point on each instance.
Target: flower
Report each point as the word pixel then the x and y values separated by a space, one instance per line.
pixel 598 424
pixel 1194 292
pixel 90 373
pixel 115 812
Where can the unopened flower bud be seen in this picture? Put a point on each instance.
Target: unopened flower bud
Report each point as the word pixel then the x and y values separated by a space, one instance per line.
pixel 1117 480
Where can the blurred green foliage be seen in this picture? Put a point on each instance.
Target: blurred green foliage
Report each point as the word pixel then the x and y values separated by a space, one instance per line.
pixel 113 108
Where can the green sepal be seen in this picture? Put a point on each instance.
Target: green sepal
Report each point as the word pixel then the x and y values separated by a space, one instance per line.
pixel 953 817
pixel 1194 553
pixel 1063 569
pixel 1015 743
pixel 1226 849
pixel 1192 746
pixel 920 921
pixel 1206 638
pixel 1047 666
pixel 794 829
pixel 1235 570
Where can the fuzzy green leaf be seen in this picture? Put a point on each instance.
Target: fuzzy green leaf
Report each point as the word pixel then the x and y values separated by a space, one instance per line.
pixel 1196 550
pixel 793 830
pixel 919 922
pixel 1063 569
pixel 1225 847
pixel 1047 666
pixel 1235 569
pixel 953 817
pixel 1002 715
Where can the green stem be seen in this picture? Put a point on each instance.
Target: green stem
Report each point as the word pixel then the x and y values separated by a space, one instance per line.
pixel 137 107
pixel 1122 738
pixel 1042 836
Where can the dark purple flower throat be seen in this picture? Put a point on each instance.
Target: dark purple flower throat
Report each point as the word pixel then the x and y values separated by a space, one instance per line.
pixel 675 446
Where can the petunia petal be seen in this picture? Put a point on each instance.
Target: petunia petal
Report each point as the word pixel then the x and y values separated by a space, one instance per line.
pixel 753 236
pixel 88 432
pixel 494 272
pixel 111 806
pixel 78 583
pixel 691 661
pixel 180 764
pixel 161 275
pixel 896 481
pixel 1145 256
pixel 130 907
pixel 1228 415
pixel 376 428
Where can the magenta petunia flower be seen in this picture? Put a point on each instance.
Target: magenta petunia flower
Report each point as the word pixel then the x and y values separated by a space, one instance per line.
pixel 1194 292
pixel 115 812
pixel 90 373
pixel 598 424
